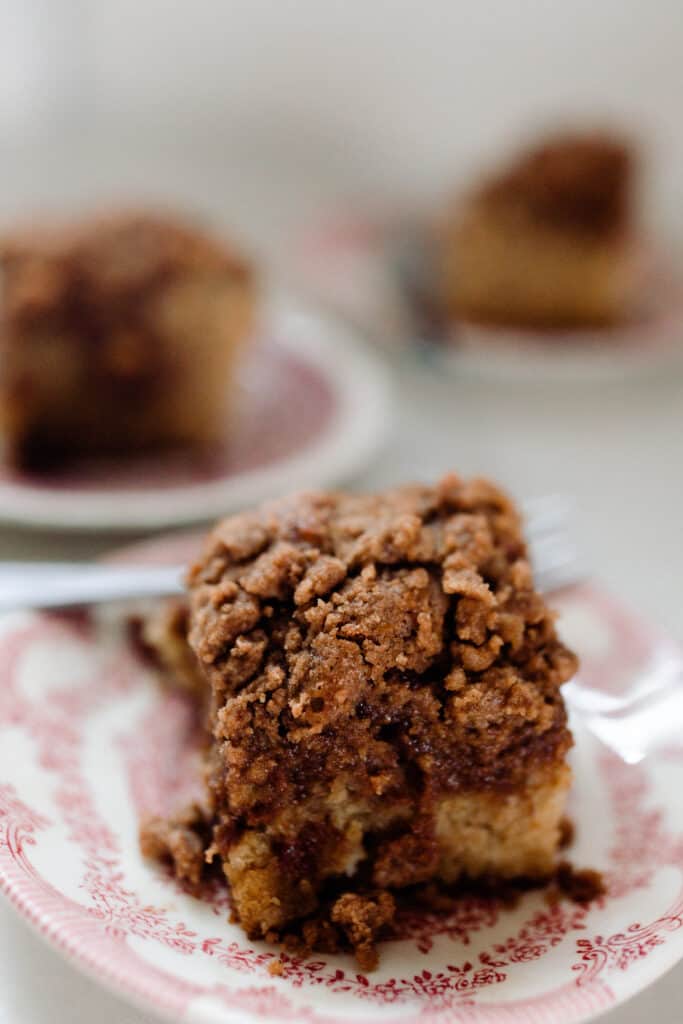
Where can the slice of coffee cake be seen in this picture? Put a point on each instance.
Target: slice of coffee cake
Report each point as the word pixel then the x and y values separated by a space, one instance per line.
pixel 117 335
pixel 550 241
pixel 385 706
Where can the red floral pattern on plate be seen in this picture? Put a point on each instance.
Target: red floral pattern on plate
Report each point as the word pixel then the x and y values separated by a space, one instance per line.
pixel 470 965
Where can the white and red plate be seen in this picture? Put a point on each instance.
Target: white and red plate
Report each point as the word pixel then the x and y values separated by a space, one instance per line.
pixel 89 743
pixel 360 267
pixel 313 409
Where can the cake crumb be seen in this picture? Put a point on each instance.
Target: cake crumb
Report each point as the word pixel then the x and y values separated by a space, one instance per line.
pixel 567 833
pixel 363 917
pixel 581 885
pixel 179 841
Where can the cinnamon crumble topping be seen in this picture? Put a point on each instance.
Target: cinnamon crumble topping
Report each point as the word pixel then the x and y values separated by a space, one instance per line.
pixel 575 182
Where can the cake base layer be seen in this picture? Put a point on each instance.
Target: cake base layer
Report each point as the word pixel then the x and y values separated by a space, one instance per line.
pixel 314 863
pixel 519 273
pixel 275 874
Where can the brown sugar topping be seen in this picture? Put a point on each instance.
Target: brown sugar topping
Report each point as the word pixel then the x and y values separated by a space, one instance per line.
pixel 93 276
pixel 393 641
pixel 579 182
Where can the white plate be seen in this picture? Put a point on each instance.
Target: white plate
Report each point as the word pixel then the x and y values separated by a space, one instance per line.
pixel 352 265
pixel 88 743
pixel 314 410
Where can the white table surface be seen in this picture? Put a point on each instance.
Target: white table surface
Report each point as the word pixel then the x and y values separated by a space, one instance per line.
pixel 616 449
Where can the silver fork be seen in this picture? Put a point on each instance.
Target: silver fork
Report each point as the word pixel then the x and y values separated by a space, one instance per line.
pixel 646 714
pixel 63 584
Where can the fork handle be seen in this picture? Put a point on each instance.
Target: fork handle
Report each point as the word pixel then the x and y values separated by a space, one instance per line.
pixel 61 584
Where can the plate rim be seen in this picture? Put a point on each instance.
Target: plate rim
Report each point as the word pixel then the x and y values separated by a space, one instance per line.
pixel 117 983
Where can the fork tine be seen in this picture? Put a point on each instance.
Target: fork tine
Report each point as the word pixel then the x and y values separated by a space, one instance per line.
pixel 554 555
pixel 635 734
pixel 643 716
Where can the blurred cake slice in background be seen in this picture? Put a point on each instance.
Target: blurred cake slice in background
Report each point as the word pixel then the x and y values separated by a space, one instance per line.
pixel 118 335
pixel 549 241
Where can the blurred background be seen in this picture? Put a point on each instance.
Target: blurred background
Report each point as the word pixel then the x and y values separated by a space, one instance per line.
pixel 261 102
pixel 269 116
